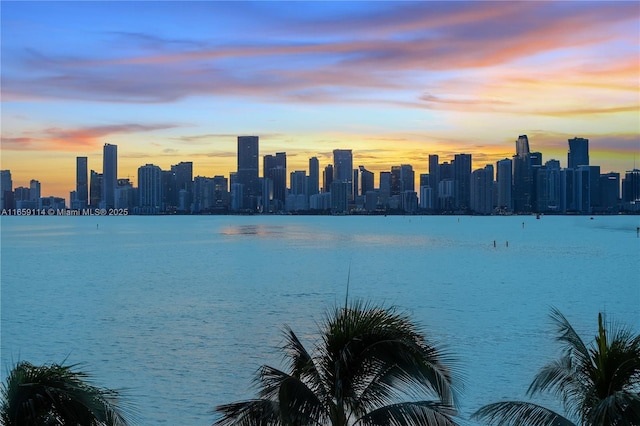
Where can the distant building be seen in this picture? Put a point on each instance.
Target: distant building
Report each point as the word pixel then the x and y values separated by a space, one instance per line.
pixel 314 176
pixel 578 154
pixel 434 179
pixel 35 192
pixel 275 169
pixel 327 178
pixel 504 184
pixel 462 181
pixel 247 174
pixel 6 190
pixel 610 192
pixel 109 175
pixel 150 189
pixel 522 196
pixel 82 184
pixel 339 197
pixel 631 187
pixel 481 197
pixel 95 189
pixel 343 168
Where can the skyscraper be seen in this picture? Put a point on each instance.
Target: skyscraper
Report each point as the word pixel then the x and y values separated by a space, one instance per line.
pixel 504 179
pixel 275 168
pixel 82 183
pixel 6 189
pixel 150 188
pixel 522 177
pixel 462 181
pixel 95 189
pixel 578 154
pixel 109 175
pixel 314 175
pixel 327 178
pixel 434 179
pixel 247 174
pixel 481 185
pixel 35 193
pixel 343 168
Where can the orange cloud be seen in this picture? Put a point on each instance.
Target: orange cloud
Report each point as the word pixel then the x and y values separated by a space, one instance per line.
pixel 83 139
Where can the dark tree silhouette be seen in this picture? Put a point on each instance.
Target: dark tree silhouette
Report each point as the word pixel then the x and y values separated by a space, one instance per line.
pixel 597 384
pixel 54 394
pixel 368 362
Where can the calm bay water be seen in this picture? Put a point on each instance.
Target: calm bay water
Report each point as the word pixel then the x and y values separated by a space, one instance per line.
pixel 181 311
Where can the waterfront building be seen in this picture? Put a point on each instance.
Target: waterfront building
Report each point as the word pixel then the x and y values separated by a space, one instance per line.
pixel 150 189
pixel 247 173
pixel 462 181
pixel 82 184
pixel 95 189
pixel 548 187
pixel 343 169
pixel 274 168
pixel 578 154
pixel 6 190
pixel 504 184
pixel 35 193
pixel 339 197
pixel 610 192
pixel 434 179
pixel 481 188
pixel 631 187
pixel 314 176
pixel 327 178
pixel 109 175
pixel 522 196
pixel 126 196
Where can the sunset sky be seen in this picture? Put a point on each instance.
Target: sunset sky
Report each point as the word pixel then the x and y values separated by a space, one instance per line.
pixel 393 81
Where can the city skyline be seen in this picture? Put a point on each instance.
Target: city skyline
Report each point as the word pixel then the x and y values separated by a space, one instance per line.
pixel 394 82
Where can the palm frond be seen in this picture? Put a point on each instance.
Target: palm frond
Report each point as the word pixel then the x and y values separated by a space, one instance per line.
pixel 410 414
pixel 566 334
pixel 255 412
pixel 519 413
pixel 33 394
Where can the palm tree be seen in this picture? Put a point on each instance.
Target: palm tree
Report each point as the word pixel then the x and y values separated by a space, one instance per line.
pixel 54 394
pixel 597 384
pixel 368 360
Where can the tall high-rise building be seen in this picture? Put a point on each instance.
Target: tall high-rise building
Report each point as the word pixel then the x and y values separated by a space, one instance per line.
pixel 343 168
pixel 610 191
pixel 578 154
pixel 150 188
pixel 95 189
pixel 462 181
pixel 82 183
pixel 327 178
pixel 522 146
pixel 247 174
pixel 631 186
pixel 522 177
pixel 35 193
pixel 434 179
pixel 274 167
pixel 182 180
pixel 314 176
pixel 504 180
pixel 548 187
pixel 366 180
pixel 109 175
pixel 6 190
pixel 481 187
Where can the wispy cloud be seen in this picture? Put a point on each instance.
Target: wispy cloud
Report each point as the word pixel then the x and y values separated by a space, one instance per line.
pixel 81 139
